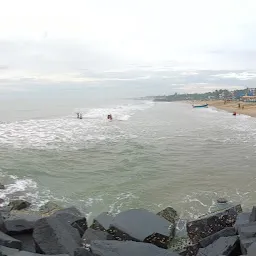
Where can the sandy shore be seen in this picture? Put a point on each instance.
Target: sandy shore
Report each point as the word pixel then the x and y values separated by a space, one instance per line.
pixel 246 108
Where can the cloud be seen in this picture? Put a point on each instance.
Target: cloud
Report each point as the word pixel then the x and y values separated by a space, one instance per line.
pixel 239 76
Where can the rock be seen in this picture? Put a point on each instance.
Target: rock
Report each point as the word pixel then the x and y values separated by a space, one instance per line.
pixel 21 223
pixel 2 186
pixel 27 241
pixel 222 200
pixel 142 226
pixel 128 248
pixel 6 251
pixel 222 246
pixel 242 219
pixel 24 253
pixel 73 217
pixel 190 250
pixel 252 249
pixel 231 231
pixel 92 234
pixel 19 204
pixel 102 221
pixel 247 233
pixel 64 239
pixel 170 215
pixel 8 241
pixel 245 243
pixel 49 208
pixel 81 251
pixel 210 224
pixel 2 227
pixel 5 212
pixel 252 217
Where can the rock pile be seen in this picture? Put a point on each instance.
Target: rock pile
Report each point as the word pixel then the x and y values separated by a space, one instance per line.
pixel 137 232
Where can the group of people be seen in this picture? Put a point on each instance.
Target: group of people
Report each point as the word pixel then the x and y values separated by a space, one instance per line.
pixel 80 116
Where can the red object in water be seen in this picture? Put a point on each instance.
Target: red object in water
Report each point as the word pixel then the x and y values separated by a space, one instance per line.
pixel 234 113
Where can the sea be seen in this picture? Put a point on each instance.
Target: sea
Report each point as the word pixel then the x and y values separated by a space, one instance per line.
pixel 152 155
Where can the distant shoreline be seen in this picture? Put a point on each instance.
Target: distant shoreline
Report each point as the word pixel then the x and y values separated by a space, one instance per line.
pixel 246 108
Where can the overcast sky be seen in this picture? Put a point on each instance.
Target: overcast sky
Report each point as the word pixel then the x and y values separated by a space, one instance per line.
pixel 105 41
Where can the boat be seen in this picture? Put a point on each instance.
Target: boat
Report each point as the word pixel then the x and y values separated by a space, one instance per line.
pixel 200 106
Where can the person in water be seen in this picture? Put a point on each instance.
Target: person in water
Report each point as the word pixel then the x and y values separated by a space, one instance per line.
pixel 78 115
pixel 81 116
pixel 110 117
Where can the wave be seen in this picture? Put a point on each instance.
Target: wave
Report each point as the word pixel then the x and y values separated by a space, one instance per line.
pixel 68 131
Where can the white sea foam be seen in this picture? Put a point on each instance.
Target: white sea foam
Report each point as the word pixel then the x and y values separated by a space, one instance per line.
pixel 69 131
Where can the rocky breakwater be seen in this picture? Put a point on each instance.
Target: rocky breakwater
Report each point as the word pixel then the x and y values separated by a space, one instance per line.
pixel 64 231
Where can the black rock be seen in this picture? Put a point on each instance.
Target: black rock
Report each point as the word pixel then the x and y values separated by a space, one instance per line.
pixel 252 249
pixel 245 243
pixel 210 224
pixel 222 233
pixel 2 227
pixel 222 246
pixel 242 219
pixel 102 221
pixel 170 215
pixel 8 241
pixel 73 217
pixel 81 251
pixel 142 226
pixel 21 223
pixel 24 253
pixel 92 234
pixel 6 251
pixel 19 204
pixel 253 214
pixel 247 233
pixel 222 200
pixel 128 248
pixel 2 186
pixel 28 243
pixel 64 239
pixel 190 250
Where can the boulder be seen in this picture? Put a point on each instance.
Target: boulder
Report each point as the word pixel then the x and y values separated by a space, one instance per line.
pixel 28 243
pixel 2 227
pixel 6 251
pixel 19 204
pixel 210 224
pixel 49 208
pixel 247 233
pixel 2 186
pixel 64 239
pixel 252 249
pixel 102 221
pixel 8 241
pixel 245 243
pixel 24 253
pixel 242 219
pixel 73 217
pixel 142 226
pixel 190 250
pixel 81 251
pixel 92 234
pixel 252 217
pixel 21 223
pixel 231 231
pixel 171 215
pixel 127 248
pixel 222 246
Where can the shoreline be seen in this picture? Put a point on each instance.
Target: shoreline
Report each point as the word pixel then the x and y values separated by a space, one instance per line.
pixel 246 108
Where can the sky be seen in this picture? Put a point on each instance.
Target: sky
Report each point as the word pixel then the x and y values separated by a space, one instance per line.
pixel 141 46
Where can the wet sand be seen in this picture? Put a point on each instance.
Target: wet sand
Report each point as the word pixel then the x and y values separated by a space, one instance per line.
pixel 246 108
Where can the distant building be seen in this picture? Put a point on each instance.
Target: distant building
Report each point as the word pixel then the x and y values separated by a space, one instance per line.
pixel 251 92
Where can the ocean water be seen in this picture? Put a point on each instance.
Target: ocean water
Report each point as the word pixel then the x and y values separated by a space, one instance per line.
pixel 152 155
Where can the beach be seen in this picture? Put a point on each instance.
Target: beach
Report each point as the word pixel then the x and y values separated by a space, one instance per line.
pixel 246 108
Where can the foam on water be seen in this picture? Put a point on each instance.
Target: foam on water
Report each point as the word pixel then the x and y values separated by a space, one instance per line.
pixel 69 132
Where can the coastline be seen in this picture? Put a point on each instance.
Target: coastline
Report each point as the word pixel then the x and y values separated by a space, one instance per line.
pixel 246 108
